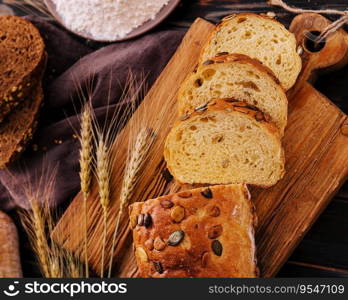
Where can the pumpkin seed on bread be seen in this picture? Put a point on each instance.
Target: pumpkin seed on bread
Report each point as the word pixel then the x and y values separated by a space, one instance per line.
pixel 261 38
pixel 235 76
pixel 22 58
pixel 224 142
pixel 213 239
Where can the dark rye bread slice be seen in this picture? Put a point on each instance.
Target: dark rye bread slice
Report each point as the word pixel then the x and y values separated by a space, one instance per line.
pixel 227 141
pixel 22 59
pixel 17 130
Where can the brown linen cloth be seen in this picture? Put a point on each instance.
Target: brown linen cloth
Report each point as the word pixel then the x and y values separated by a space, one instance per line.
pixel 71 65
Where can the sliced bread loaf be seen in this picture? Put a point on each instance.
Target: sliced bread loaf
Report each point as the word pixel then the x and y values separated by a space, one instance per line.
pixel 235 76
pixel 17 129
pixel 200 233
pixel 259 37
pixel 225 142
pixel 22 56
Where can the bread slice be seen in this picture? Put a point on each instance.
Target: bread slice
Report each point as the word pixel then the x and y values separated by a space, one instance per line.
pixel 200 233
pixel 235 76
pixel 22 55
pixel 259 37
pixel 225 142
pixel 18 128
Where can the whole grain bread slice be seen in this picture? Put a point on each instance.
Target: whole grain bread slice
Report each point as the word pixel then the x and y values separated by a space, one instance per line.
pixel 225 142
pixel 18 128
pixel 259 37
pixel 235 76
pixel 22 58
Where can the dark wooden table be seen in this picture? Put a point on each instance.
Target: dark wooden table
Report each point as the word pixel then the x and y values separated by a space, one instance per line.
pixel 324 250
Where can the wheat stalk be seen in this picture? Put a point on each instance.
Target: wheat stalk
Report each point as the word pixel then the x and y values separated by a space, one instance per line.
pixel 137 158
pixel 85 169
pixel 105 155
pixel 56 271
pixel 39 239
pixel 39 218
pixel 74 269
pixel 134 164
pixel 103 178
pixel 39 223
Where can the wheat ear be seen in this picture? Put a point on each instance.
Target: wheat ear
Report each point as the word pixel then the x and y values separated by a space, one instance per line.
pixel 41 246
pixel 134 164
pixel 39 223
pixel 74 269
pixel 103 178
pixel 85 170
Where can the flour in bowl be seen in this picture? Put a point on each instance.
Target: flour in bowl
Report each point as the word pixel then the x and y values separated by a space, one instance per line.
pixel 107 19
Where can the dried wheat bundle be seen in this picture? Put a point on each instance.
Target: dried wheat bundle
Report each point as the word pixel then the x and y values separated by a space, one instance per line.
pixel 141 144
pixel 104 138
pixel 136 159
pixel 39 223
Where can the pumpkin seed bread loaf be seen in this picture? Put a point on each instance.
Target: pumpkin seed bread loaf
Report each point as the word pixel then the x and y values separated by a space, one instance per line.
pixel 259 37
pixel 18 128
pixel 201 233
pixel 22 57
pixel 235 76
pixel 224 142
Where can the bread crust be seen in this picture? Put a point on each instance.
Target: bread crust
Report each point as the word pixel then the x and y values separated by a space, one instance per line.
pixel 234 106
pixel 10 153
pixel 29 109
pixel 242 58
pixel 223 23
pixel 224 216
pixel 22 87
pixel 226 59
pixel 221 61
pixel 248 14
pixel 251 111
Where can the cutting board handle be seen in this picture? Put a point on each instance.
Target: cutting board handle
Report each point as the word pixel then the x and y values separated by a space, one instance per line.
pixel 333 53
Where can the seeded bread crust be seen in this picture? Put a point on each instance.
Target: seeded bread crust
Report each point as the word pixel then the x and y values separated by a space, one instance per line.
pixel 22 51
pixel 228 105
pixel 234 57
pixel 185 106
pixel 297 63
pixel 253 112
pixel 202 233
pixel 232 104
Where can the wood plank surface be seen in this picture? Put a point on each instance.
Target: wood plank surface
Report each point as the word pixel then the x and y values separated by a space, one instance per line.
pixel 317 164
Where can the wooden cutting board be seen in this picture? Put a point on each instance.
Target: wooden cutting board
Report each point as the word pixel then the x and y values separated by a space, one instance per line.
pixel 315 142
